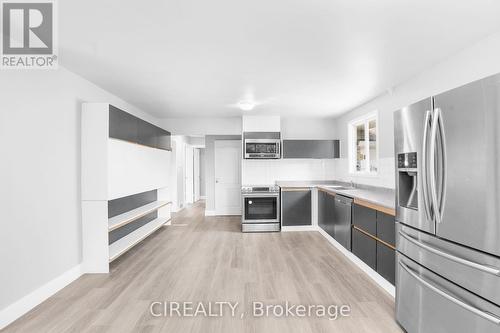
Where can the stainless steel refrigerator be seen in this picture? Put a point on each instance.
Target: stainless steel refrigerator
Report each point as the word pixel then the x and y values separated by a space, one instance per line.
pixel 448 211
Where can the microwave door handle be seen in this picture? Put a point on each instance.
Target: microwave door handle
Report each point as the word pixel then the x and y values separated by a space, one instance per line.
pixel 425 178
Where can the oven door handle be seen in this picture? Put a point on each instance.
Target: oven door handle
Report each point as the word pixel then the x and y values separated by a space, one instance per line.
pixel 260 195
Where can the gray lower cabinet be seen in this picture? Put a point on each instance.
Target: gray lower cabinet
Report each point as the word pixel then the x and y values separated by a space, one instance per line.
pixel 322 207
pixel 364 218
pixel 326 212
pixel 374 248
pixel 296 207
pixel 386 228
pixel 365 248
pixel 386 262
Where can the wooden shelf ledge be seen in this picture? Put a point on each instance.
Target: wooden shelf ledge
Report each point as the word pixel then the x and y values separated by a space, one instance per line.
pixel 124 244
pixel 123 219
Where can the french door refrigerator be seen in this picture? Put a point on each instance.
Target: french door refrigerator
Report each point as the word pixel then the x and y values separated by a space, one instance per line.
pixel 448 211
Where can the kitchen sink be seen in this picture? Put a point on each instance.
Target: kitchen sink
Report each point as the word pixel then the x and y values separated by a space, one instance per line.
pixel 341 187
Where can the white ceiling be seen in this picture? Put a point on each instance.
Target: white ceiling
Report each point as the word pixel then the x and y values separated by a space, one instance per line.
pixel 184 58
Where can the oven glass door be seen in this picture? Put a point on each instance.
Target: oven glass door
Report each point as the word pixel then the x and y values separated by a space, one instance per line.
pixel 261 208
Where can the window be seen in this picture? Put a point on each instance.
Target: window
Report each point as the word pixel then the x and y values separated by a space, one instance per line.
pixel 363 145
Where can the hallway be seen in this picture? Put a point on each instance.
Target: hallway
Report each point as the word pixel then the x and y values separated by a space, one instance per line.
pixel 208 259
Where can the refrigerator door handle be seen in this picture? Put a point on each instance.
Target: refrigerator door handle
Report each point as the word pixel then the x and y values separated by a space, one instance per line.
pixel 425 190
pixel 432 167
pixel 442 195
pixel 488 316
pixel 465 262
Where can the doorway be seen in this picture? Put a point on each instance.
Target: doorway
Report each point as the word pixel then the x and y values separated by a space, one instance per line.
pixel 228 177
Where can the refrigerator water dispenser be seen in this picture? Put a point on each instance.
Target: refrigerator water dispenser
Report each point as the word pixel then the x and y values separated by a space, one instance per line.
pixel 407 180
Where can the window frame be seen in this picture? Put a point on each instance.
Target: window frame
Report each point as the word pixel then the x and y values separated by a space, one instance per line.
pixel 351 129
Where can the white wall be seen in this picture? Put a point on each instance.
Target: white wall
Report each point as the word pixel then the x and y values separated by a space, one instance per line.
pixel 203 126
pixel 473 63
pixel 267 172
pixel 202 173
pixel 178 184
pixel 308 128
pixel 40 177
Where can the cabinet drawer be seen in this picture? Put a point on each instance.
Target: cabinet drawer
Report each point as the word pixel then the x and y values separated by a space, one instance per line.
pixel 426 302
pixel 386 262
pixel 386 228
pixel 365 248
pixel 365 218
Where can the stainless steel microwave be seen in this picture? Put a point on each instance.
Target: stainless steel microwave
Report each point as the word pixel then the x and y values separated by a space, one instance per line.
pixel 262 148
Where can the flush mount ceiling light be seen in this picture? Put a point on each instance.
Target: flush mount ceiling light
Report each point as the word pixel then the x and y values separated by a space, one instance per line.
pixel 246 105
pixel 248 101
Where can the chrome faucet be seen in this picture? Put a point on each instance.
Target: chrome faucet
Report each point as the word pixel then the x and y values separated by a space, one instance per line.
pixel 352 184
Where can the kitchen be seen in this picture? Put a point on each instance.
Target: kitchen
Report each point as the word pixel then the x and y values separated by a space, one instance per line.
pixel 251 166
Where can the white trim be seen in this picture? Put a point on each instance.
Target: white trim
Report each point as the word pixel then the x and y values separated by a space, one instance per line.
pixel 209 212
pixel 203 197
pixel 386 285
pixel 299 228
pixel 28 302
pixel 363 120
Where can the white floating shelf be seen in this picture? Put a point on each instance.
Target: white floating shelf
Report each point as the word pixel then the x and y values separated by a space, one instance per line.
pixel 126 243
pixel 123 219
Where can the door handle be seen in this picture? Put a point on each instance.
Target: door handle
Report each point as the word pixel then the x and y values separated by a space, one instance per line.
pixel 483 314
pixel 432 167
pixel 425 190
pixel 465 262
pixel 442 195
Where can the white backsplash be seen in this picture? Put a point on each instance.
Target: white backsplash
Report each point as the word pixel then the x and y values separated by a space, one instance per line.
pixel 256 172
pixel 385 177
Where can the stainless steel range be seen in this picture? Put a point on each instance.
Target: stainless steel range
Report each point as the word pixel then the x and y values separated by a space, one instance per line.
pixel 261 208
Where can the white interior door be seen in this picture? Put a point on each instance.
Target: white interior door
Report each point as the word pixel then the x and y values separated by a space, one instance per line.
pixel 188 176
pixel 196 173
pixel 228 177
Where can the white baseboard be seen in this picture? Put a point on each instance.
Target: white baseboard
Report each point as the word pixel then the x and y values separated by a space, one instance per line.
pixel 28 302
pixel 386 285
pixel 209 212
pixel 203 197
pixel 299 228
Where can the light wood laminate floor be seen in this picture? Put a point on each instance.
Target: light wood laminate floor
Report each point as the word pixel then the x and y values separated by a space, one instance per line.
pixel 202 259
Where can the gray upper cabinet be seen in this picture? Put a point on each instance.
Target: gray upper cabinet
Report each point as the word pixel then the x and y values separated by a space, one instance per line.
pixel 319 149
pixel 163 139
pixel 147 135
pixel 124 126
pixel 296 207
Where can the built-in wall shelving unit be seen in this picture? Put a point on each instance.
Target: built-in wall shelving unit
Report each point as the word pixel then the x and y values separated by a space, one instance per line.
pixel 125 183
